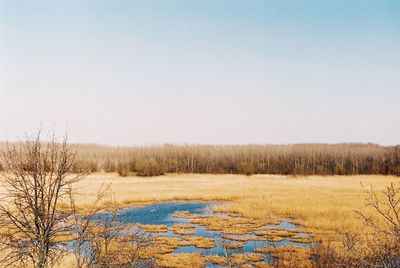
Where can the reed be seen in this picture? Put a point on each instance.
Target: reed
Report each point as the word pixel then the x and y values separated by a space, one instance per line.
pixel 325 204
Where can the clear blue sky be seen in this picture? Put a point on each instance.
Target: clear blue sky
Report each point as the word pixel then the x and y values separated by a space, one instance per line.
pixel 142 72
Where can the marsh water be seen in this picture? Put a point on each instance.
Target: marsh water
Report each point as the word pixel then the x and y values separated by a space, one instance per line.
pixel 162 214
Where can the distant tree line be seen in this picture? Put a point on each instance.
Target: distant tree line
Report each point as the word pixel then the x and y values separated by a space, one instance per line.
pixel 299 159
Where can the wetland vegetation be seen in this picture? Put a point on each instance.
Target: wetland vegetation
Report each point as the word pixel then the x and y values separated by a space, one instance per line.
pixel 55 215
pixel 192 221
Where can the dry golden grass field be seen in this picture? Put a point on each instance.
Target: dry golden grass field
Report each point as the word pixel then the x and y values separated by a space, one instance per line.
pixel 322 205
pixel 325 204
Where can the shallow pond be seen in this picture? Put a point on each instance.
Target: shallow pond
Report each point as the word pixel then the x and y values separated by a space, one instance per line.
pixel 163 214
pixel 158 214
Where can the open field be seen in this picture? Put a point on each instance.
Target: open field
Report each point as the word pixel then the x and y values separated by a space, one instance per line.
pixel 323 204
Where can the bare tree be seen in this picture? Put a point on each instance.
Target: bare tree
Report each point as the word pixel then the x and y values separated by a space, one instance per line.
pixel 36 181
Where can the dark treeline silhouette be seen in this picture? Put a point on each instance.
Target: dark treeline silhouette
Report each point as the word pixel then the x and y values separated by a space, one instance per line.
pixel 298 159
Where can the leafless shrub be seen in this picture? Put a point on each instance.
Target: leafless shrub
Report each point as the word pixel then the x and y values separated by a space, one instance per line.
pixel 380 247
pixel 99 241
pixel 149 167
pixel 384 239
pixel 247 168
pixel 350 253
pixel 122 168
pixel 84 166
pixel 112 244
pixel 81 224
pixel 36 180
pixel 109 166
pixel 324 255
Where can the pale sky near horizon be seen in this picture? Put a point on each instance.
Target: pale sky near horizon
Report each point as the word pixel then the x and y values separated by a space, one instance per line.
pixel 205 72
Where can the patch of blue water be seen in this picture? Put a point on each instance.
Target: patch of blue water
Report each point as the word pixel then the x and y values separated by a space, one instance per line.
pixel 202 231
pixel 251 245
pixel 158 214
pixel 162 214
pixel 248 247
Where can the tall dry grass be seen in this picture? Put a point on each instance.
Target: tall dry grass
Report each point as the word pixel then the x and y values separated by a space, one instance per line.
pixel 323 203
